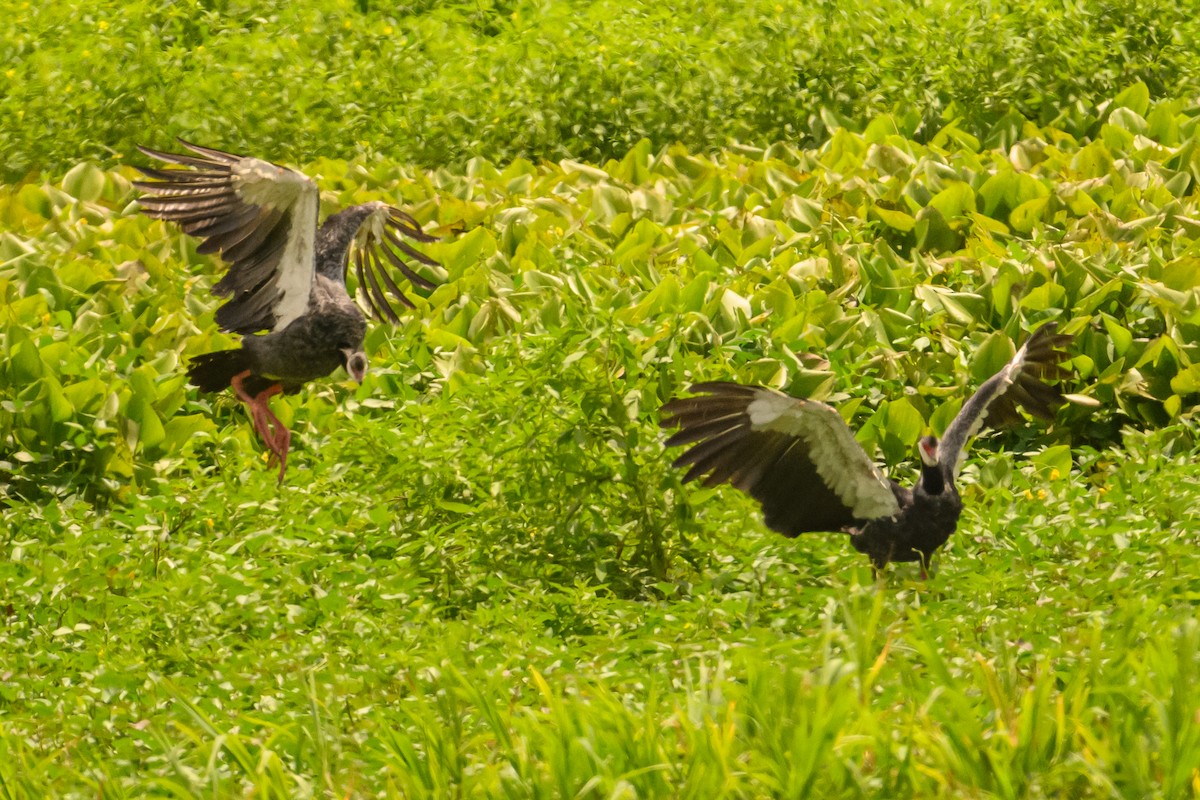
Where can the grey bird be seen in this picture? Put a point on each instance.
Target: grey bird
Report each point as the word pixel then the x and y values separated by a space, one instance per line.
pixel 801 462
pixel 286 278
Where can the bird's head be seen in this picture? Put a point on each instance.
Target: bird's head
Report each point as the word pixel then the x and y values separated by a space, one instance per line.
pixel 355 362
pixel 929 450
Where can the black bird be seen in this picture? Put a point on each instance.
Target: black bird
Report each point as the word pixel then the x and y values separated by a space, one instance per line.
pixel 286 276
pixel 800 460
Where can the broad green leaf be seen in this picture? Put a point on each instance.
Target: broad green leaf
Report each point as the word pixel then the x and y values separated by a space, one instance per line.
pixel 150 431
pixel 1093 161
pixel 991 356
pixel 945 414
pixel 180 429
pixel 1120 336
pixel 37 200
pixel 998 190
pixel 1172 405
pixel 956 200
pixel 1136 98
pixel 897 220
pixel 59 406
pixel 933 233
pixel 85 181
pixel 1186 381
pixel 466 251
pixel 1043 297
pixel 1054 463
pixel 1025 216
pixel 27 365
pixel 903 421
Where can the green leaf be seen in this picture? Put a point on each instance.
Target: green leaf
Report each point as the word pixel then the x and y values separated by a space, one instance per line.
pixel 944 415
pixel 37 200
pixel 180 429
pixel 1121 336
pixel 903 421
pixel 894 219
pixel 1136 98
pixel 466 251
pixel 1172 405
pixel 456 507
pixel 1025 216
pixel 1043 297
pixel 991 356
pixel 60 407
pixel 150 431
pixel 956 200
pixel 1186 381
pixel 85 181
pixel 933 233
pixel 998 190
pixel 1093 161
pixel 27 365
pixel 1053 463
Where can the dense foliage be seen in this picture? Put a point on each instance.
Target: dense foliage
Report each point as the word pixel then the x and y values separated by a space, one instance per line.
pixel 434 83
pixel 895 261
pixel 483 578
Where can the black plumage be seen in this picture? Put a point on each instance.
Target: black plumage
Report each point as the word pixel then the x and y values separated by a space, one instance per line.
pixel 800 460
pixel 286 282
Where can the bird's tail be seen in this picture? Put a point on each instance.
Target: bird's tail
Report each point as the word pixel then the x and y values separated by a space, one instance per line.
pixel 212 372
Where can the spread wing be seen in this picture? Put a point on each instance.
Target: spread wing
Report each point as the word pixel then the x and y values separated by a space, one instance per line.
pixel 796 457
pixel 261 218
pixel 373 238
pixel 1021 382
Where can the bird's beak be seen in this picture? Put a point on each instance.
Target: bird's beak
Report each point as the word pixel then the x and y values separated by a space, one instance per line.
pixel 355 364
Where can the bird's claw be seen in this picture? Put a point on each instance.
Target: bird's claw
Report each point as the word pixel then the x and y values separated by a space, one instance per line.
pixel 275 436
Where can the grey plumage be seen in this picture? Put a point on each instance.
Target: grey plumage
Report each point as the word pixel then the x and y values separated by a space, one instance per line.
pixel 801 462
pixel 333 255
pixel 286 281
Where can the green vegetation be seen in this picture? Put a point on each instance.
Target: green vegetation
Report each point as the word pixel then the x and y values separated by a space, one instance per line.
pixel 435 82
pixel 483 578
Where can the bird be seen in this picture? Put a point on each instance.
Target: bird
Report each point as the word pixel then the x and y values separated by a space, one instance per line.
pixel 285 284
pixel 799 459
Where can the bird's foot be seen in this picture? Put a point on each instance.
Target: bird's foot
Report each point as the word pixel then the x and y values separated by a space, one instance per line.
pixel 270 429
pixel 282 444
pixel 277 438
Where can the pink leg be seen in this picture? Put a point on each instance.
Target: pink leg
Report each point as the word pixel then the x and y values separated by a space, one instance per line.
pixel 261 424
pixel 283 443
pixel 275 436
pixel 281 438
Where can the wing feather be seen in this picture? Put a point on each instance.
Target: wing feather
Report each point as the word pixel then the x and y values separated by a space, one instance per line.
pixel 796 457
pixel 1021 383
pixel 261 218
pixel 365 240
pixel 377 300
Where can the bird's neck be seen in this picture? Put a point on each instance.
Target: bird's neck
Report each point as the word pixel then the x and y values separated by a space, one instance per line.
pixel 933 480
pixel 334 237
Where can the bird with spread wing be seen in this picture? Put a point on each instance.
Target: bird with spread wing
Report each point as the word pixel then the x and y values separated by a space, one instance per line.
pixel 285 287
pixel 801 462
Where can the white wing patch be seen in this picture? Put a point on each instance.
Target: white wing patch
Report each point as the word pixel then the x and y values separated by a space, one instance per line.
pixel 839 459
pixel 263 184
